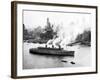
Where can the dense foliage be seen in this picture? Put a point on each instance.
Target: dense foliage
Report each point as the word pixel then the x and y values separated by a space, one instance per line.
pixel 40 35
pixel 84 38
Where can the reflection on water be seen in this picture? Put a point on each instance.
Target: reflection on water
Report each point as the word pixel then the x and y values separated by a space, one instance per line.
pixel 31 61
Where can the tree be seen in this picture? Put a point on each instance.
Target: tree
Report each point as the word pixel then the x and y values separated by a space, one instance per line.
pixel 36 32
pixel 84 38
pixel 48 31
pixel 25 33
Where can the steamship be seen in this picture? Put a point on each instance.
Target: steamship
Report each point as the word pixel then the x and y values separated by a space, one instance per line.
pixel 51 51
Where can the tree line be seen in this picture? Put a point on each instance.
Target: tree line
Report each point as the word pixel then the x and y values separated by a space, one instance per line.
pixel 42 35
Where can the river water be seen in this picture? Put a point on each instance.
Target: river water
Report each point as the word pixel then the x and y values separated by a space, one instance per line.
pixel 31 61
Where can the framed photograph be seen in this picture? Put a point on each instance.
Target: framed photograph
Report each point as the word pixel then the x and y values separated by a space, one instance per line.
pixel 50 39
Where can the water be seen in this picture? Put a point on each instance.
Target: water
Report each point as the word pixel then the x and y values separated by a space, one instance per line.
pixel 31 61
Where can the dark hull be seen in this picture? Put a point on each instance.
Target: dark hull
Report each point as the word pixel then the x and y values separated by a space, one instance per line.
pixel 51 51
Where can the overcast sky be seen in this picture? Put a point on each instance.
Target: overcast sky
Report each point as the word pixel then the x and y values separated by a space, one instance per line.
pixel 70 22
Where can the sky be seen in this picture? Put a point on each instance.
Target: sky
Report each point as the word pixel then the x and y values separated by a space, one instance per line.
pixel 70 22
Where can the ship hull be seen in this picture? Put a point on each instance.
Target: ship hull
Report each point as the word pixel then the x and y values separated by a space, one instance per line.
pixel 51 51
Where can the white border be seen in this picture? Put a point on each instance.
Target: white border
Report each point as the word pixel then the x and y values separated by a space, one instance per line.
pixel 21 72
